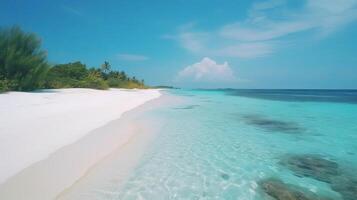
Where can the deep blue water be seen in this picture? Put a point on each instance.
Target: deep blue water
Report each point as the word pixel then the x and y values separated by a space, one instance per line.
pixel 342 96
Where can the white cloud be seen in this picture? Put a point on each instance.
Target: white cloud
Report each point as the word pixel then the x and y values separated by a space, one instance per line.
pixel 259 33
pixel 131 57
pixel 207 70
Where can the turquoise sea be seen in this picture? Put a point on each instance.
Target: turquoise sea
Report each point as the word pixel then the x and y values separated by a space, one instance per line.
pixel 252 145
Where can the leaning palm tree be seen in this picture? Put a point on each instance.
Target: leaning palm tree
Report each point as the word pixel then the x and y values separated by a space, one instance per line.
pixel 105 67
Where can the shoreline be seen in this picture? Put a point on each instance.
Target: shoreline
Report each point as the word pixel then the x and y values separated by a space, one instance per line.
pixel 61 168
pixel 117 167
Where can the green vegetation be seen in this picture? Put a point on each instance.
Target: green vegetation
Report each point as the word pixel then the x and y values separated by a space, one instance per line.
pixel 24 67
pixel 77 75
pixel 165 87
pixel 23 64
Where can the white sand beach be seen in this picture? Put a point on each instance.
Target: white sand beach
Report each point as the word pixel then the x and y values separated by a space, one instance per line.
pixel 34 125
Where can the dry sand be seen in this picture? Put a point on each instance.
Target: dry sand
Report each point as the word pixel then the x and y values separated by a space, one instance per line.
pixel 48 140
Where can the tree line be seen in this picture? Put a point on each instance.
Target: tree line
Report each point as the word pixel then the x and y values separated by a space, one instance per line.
pixel 24 67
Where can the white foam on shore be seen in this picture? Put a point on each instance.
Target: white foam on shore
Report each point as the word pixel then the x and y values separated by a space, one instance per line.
pixel 34 125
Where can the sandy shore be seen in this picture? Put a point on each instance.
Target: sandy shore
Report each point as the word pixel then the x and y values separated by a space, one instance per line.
pixel 105 179
pixel 37 128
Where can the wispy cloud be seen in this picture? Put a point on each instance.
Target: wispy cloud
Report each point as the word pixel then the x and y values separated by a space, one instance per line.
pixel 72 11
pixel 259 34
pixel 206 70
pixel 212 44
pixel 245 50
pixel 131 57
pixel 322 16
pixel 264 5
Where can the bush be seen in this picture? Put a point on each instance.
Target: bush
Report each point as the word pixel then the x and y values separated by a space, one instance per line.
pixel 22 62
pixel 66 75
pixel 58 82
pixel 76 70
pixel 115 82
pixel 94 80
pixel 4 86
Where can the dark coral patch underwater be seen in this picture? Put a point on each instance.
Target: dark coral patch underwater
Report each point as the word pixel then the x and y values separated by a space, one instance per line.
pixel 323 169
pixel 279 190
pixel 272 125
pixel 310 165
pixel 346 185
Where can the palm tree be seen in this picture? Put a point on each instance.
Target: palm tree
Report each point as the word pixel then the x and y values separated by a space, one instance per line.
pixel 123 75
pixel 105 67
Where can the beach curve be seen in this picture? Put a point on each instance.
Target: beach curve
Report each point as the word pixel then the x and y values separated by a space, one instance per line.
pixel 37 124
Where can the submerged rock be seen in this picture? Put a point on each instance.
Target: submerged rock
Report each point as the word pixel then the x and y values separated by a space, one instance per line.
pixel 279 190
pixel 313 166
pixel 272 125
pixel 319 168
pixel 188 107
pixel 346 186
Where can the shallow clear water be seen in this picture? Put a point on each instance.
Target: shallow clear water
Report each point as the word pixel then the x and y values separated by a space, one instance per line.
pixel 219 145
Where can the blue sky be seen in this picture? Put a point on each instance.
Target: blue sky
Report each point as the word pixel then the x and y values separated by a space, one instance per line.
pixel 200 43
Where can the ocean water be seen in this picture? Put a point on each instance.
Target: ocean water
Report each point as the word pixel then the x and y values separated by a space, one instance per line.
pixel 222 144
